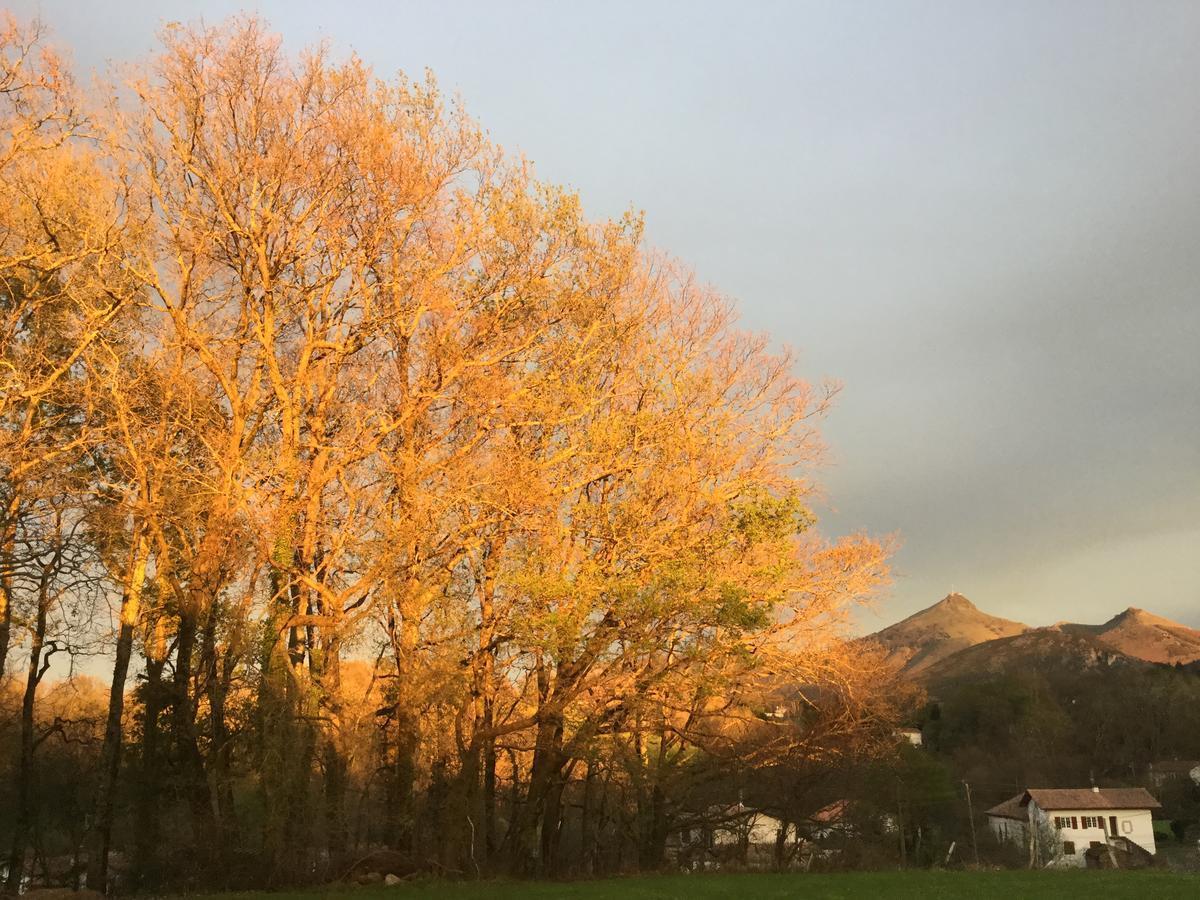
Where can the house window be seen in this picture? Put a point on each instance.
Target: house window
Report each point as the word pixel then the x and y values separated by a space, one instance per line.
pixel 1093 821
pixel 1127 826
pixel 1062 822
pixel 1068 848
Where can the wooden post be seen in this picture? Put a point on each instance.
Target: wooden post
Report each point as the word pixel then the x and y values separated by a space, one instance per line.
pixel 971 819
pixel 1032 827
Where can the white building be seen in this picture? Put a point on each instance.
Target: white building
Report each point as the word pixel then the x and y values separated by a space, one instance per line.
pixel 1067 822
pixel 735 836
pixel 1009 821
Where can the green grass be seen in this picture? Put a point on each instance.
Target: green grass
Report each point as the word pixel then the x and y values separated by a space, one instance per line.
pixel 1021 885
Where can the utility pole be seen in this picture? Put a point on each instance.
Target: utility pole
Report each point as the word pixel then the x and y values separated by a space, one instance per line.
pixel 1032 840
pixel 900 827
pixel 971 818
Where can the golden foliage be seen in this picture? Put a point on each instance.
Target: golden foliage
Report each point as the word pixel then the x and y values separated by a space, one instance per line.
pixel 421 480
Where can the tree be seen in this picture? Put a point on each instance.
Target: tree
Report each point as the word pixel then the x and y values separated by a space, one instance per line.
pixel 420 497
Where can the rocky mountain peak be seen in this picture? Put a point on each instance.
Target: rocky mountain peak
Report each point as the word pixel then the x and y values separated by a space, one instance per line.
pixel 954 625
pixel 956 601
pixel 950 625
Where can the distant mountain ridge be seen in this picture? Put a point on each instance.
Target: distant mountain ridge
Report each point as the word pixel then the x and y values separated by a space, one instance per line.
pixel 1144 635
pixel 949 626
pixel 954 639
pixel 1044 650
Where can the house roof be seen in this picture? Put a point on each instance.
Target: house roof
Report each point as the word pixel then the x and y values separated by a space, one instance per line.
pixel 832 813
pixel 1010 809
pixel 1091 798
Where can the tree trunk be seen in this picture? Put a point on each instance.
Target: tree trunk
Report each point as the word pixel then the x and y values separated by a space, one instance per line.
pixel 335 803
pixel 405 775
pixel 284 758
pixel 218 681
pixel 653 825
pixel 5 619
pixel 190 760
pixel 405 634
pixel 26 769
pixel 781 834
pixel 100 835
pixel 552 811
pixel 489 787
pixel 148 799
pixel 327 673
pixel 530 853
pixel 8 542
pixel 479 768
pixel 587 822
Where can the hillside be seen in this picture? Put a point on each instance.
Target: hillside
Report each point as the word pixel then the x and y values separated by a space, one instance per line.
pixel 1144 635
pixel 933 634
pixel 1044 650
pixel 954 639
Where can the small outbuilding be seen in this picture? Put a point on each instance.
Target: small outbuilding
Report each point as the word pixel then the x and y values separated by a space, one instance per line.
pixel 1009 821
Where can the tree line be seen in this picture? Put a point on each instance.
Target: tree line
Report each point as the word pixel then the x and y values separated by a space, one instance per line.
pixel 1071 726
pixel 397 505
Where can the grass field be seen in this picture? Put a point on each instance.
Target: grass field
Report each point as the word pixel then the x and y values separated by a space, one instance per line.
pixel 1023 885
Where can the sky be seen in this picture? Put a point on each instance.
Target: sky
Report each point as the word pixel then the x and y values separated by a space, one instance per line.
pixel 983 219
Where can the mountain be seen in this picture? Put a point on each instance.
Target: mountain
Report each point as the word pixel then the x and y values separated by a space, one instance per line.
pixel 948 627
pixel 1058 648
pixel 1144 635
pixel 953 640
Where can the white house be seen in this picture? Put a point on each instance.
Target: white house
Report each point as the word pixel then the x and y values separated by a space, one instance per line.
pixel 746 826
pixel 1067 822
pixel 735 835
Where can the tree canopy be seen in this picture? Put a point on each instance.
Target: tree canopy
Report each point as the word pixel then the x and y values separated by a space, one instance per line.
pixel 412 509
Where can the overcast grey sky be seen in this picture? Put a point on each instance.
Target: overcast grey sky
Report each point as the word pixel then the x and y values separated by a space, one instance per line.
pixel 984 219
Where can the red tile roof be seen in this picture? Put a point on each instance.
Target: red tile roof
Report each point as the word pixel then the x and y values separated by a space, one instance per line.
pixel 1090 798
pixel 832 813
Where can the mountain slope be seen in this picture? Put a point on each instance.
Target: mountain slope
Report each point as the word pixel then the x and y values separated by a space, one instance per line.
pixel 1144 635
pixel 933 634
pixel 1046 650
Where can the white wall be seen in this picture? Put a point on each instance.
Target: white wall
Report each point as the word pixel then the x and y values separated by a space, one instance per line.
pixel 1134 824
pixel 763 830
pixel 1005 829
